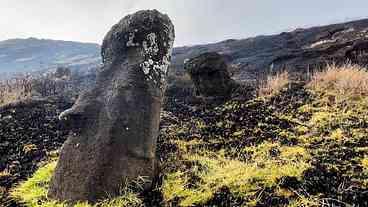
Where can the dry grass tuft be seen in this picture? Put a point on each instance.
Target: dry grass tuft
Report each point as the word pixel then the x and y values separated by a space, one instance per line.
pixel 15 90
pixel 24 87
pixel 274 84
pixel 348 80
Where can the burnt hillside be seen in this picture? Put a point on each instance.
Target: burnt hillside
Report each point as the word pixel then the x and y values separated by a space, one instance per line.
pixel 297 50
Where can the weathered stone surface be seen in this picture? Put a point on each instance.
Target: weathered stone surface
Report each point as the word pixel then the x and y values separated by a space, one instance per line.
pixel 209 74
pixel 115 125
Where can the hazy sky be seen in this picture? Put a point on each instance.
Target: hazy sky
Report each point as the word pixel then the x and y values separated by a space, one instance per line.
pixel 196 21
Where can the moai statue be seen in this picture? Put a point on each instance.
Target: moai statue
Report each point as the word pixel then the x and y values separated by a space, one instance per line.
pixel 115 125
pixel 209 74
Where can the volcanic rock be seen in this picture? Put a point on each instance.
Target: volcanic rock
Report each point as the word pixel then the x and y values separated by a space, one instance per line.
pixel 209 74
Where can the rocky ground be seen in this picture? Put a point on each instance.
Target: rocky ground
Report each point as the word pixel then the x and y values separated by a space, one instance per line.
pixel 302 152
pixel 298 147
pixel 29 133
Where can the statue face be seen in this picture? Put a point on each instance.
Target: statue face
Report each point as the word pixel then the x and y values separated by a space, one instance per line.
pixel 209 74
pixel 212 84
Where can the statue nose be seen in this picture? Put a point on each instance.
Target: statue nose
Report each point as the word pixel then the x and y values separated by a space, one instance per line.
pixel 72 120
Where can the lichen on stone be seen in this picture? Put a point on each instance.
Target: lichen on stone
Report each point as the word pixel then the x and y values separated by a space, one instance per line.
pixel 131 42
pixel 155 70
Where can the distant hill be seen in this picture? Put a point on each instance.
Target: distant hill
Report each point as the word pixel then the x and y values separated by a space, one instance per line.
pixel 25 55
pixel 298 50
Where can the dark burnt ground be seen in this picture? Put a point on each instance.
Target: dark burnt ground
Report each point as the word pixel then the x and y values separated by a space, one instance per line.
pixel 335 176
pixel 234 124
pixel 230 126
pixel 29 131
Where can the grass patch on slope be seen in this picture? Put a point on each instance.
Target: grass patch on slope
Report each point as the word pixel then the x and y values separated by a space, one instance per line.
pixel 302 145
pixel 212 172
pixel 33 192
pixel 336 134
pixel 236 154
pixel 274 84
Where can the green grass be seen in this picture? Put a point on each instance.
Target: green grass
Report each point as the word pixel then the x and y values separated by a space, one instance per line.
pixel 329 126
pixel 329 129
pixel 33 192
pixel 365 164
pixel 243 179
pixel 302 201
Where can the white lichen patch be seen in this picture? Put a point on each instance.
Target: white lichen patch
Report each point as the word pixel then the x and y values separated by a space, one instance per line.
pixel 150 45
pixel 154 70
pixel 152 38
pixel 146 67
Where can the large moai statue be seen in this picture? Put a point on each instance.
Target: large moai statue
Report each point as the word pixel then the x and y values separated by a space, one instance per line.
pixel 115 125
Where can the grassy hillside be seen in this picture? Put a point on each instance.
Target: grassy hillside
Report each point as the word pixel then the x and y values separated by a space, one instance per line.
pixel 296 144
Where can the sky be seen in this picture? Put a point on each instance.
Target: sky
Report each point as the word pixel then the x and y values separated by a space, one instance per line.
pixel 196 21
